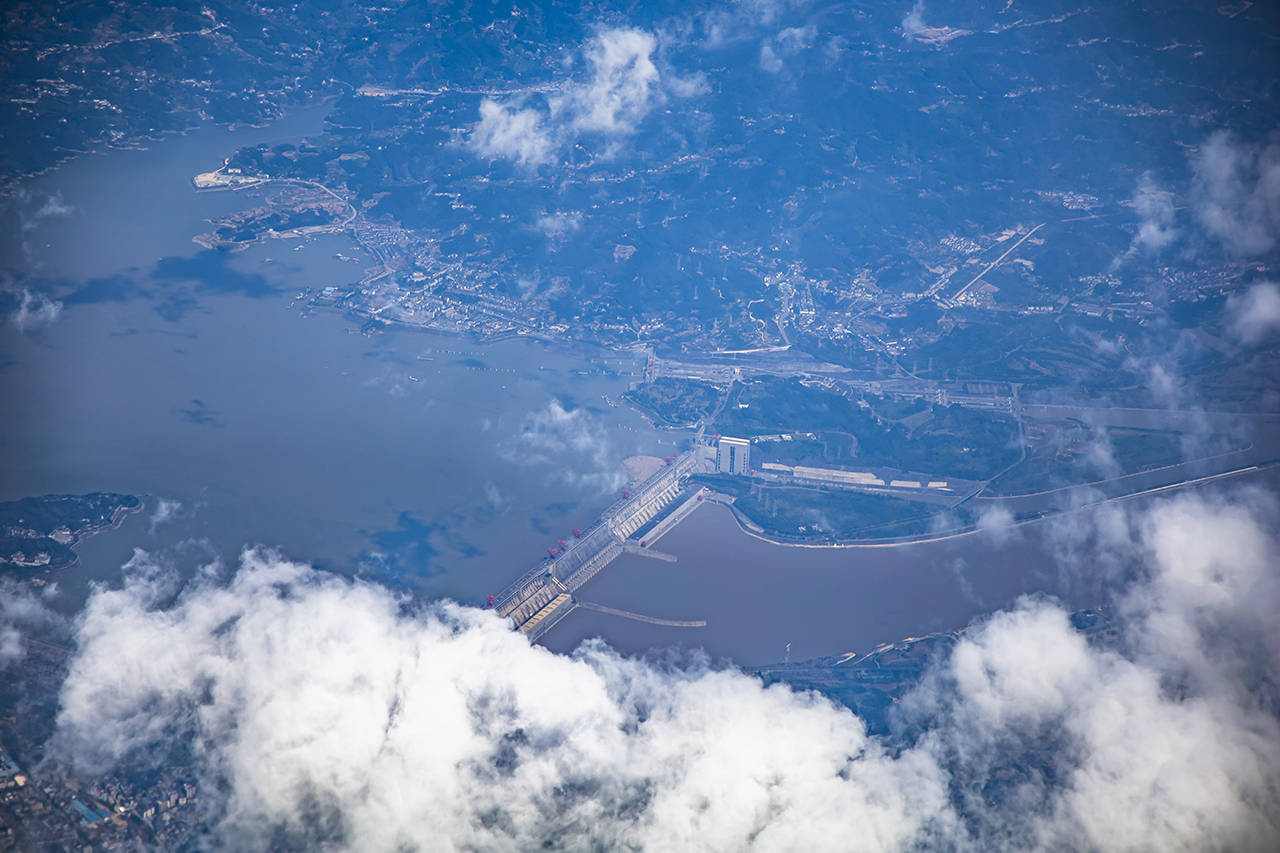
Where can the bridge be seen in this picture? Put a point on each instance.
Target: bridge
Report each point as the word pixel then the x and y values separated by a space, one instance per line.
pixel 542 596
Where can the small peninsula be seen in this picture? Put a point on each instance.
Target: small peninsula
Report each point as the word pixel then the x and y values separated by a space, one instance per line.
pixel 39 534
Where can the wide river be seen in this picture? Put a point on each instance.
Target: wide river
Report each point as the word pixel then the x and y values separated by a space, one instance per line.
pixel 425 462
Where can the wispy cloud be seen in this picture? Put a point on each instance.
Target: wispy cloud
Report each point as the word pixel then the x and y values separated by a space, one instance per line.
pixel 997 522
pixel 1236 192
pixel 914 27
pixel 574 442
pixel 34 310
pixel 53 206
pixel 34 208
pixel 1155 210
pixel 913 22
pixel 560 224
pixel 788 42
pixel 23 613
pixel 1253 316
pixel 166 510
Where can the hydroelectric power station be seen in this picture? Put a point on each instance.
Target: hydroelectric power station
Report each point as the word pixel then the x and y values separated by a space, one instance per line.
pixel 545 594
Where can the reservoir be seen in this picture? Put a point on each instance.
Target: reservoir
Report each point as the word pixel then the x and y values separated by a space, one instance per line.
pixel 190 376
pixel 422 461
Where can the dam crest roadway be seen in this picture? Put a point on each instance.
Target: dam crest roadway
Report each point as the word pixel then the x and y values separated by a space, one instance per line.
pixel 545 594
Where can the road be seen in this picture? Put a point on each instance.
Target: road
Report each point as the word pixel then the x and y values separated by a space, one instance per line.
pixel 995 263
pixel 970 531
pixel 1105 481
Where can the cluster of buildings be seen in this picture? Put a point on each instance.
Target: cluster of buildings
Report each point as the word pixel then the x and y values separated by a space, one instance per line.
pixel 733 456
pixel 109 814
pixel 42 807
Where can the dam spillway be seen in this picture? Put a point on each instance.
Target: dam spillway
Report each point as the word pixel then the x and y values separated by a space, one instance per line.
pixel 543 596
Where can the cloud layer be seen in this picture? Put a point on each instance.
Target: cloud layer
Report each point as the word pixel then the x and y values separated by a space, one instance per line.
pixel 334 711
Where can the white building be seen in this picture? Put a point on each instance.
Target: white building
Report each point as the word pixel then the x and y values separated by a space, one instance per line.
pixel 733 455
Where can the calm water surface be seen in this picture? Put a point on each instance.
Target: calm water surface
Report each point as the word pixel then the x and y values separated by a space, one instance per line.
pixel 757 597
pixel 188 376
pixel 418 460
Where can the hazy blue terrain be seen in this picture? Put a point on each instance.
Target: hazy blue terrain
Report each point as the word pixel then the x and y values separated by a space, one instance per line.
pixel 322 323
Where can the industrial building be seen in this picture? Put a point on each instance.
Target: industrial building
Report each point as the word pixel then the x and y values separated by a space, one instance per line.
pixel 733 455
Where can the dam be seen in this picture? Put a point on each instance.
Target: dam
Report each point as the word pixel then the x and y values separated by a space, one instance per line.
pixel 544 595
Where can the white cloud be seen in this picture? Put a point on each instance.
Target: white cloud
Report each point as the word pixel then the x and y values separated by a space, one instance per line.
pixel 769 60
pixel 574 442
pixel 997 522
pixel 1236 192
pixel 724 24
pixel 166 510
pixel 560 224
pixel 686 87
pixel 35 310
pixel 494 495
pixel 763 11
pixel 787 42
pixel 913 22
pixel 622 86
pixel 516 134
pixel 50 207
pixel 1154 207
pixel 796 39
pixel 1254 316
pixel 22 612
pixel 1161 741
pixel 54 206
pixel 314 701
pixel 914 27
pixel 314 698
